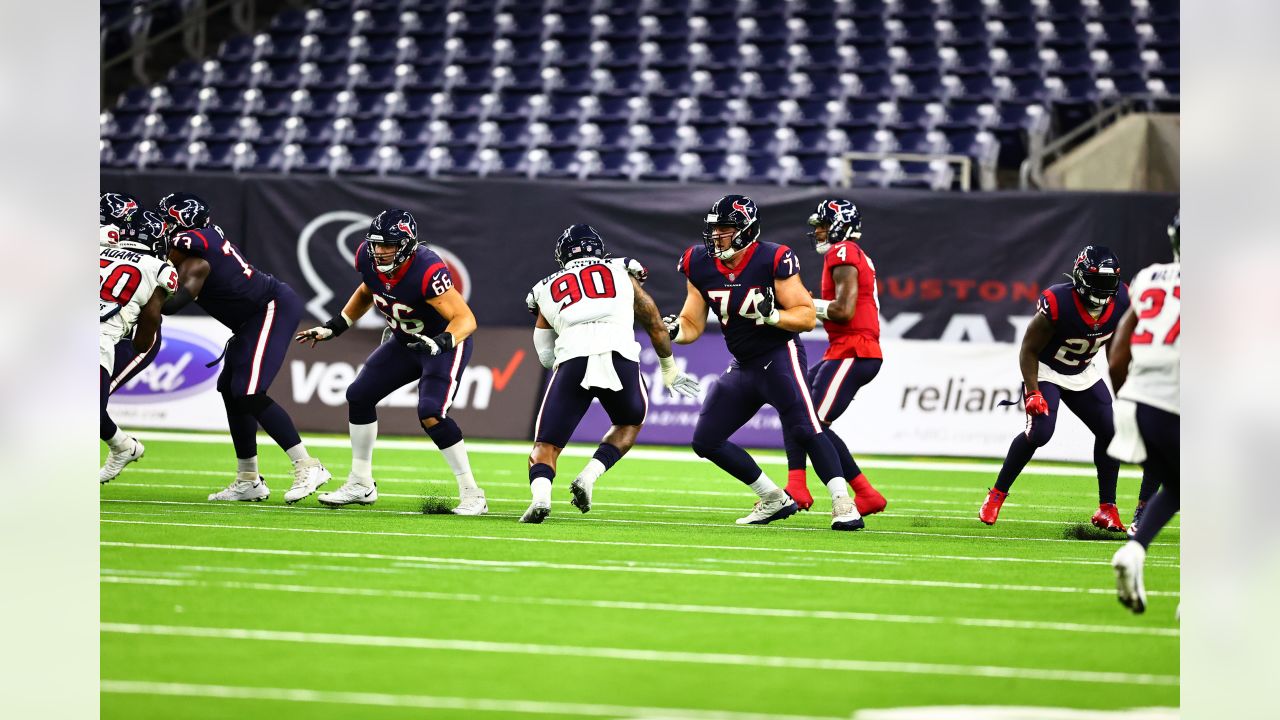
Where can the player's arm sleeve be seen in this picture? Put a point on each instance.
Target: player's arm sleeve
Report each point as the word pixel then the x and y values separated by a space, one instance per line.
pixel 544 342
pixel 436 281
pixel 1047 306
pixel 192 242
pixel 785 263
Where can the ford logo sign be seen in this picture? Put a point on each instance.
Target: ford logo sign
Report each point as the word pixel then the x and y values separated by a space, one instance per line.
pixel 178 370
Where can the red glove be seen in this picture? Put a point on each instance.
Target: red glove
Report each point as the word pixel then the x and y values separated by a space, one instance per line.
pixel 1036 404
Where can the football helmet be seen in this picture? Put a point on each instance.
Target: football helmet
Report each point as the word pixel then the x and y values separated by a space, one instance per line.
pixel 1175 239
pixel 738 211
pixel 1096 275
pixel 579 241
pixel 393 226
pixel 114 207
pixel 144 232
pixel 184 211
pixel 841 218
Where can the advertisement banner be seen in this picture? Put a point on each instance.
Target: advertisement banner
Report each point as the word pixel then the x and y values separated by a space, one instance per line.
pixel 495 399
pixel 930 398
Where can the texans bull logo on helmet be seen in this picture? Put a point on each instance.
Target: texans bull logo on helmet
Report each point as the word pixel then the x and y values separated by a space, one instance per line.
pixel 185 213
pixel 115 206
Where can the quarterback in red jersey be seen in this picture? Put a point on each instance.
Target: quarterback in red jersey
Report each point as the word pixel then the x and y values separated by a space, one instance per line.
pixel 850 311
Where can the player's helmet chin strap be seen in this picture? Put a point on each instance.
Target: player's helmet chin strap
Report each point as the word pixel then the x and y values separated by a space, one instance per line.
pixel 713 249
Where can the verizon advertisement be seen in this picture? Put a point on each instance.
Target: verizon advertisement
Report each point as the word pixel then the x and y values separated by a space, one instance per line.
pixel 496 398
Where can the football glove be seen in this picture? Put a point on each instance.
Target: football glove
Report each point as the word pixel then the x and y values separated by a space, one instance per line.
pixel 1036 404
pixel 767 307
pixel 820 306
pixel 673 326
pixel 676 381
pixel 431 346
pixel 387 334
pixel 636 270
pixel 331 329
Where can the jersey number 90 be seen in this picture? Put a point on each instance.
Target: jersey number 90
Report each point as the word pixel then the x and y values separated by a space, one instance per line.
pixel 593 281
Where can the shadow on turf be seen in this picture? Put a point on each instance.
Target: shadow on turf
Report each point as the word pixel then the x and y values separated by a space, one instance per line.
pixel 1085 531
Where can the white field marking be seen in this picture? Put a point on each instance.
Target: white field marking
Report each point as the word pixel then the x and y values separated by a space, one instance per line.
pixel 639 655
pixel 248 571
pixel 433 702
pixel 615 543
pixel 655 607
pixel 988 712
pixel 637 454
pixel 656 570
pixel 149 573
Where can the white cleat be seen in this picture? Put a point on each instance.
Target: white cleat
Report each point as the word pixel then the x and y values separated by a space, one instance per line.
pixel 308 476
pixel 248 487
pixel 355 491
pixel 777 505
pixel 1128 562
pixel 581 492
pixel 117 460
pixel 536 513
pixel 472 503
pixel 844 515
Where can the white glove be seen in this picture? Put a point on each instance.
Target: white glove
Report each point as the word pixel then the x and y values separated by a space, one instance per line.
pixel 334 327
pixel 676 381
pixel 821 307
pixel 431 346
pixel 672 323
pixel 636 270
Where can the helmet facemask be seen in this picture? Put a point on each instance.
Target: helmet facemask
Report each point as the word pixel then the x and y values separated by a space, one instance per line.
pixel 1097 287
pixel 742 238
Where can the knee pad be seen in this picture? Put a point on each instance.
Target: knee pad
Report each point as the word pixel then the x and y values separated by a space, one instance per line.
pixel 247 404
pixel 445 433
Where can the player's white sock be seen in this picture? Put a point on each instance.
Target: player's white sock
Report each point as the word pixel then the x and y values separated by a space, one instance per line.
pixel 297 452
pixel 247 465
pixel 456 456
pixel 118 442
pixel 591 473
pixel 541 489
pixel 763 486
pixel 838 487
pixel 362 439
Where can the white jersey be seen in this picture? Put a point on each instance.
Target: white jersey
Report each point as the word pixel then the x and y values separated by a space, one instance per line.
pixel 590 306
pixel 126 282
pixel 1154 369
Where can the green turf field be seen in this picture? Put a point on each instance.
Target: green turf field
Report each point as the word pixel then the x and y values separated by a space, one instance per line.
pixel 654 605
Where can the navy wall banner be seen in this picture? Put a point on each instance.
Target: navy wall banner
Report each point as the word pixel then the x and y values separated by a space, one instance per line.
pixel 960 267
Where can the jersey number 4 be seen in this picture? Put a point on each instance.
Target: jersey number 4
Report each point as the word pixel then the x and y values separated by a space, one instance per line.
pixel 1153 299
pixel 593 281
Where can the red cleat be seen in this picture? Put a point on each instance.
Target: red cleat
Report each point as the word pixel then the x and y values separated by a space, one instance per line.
pixel 1108 518
pixel 867 499
pixel 798 488
pixel 990 510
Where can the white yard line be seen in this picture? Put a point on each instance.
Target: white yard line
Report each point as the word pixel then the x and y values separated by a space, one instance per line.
pixel 229 509
pixel 542 565
pixel 640 453
pixel 117 577
pixel 433 702
pixel 640 655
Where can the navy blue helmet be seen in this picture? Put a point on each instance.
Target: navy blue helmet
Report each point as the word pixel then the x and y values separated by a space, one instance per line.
pixel 1096 275
pixel 115 207
pixel 1175 235
pixel 841 218
pixel 184 211
pixel 393 226
pixel 578 241
pixel 144 232
pixel 738 211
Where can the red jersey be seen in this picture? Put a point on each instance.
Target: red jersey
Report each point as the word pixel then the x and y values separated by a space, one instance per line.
pixel 860 336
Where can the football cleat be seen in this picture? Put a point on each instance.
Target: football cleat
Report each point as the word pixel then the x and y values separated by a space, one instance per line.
pixel 355 491
pixel 536 513
pixel 1128 562
pixel 308 476
pixel 472 503
pixel 990 510
pixel 798 490
pixel 1108 518
pixel 1137 515
pixel 581 495
pixel 247 487
pixel 868 499
pixel 117 460
pixel 773 506
pixel 844 515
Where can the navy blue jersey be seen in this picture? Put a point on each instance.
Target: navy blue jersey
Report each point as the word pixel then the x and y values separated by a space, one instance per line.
pixel 235 291
pixel 731 294
pixel 402 296
pixel 1077 335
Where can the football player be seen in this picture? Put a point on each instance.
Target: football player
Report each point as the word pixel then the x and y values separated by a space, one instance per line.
pixel 134 280
pixel 1072 322
pixel 430 326
pixel 754 288
pixel 113 209
pixel 585 314
pixel 262 312
pixel 850 311
pixel 1145 364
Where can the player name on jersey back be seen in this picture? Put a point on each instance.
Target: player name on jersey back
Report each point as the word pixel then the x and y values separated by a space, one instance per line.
pixel 590 304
